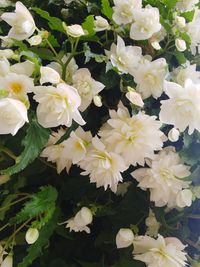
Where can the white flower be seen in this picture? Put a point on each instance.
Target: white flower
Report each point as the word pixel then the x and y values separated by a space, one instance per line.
pixel 7 262
pixel 35 40
pixel 58 105
pixel 103 167
pixel 80 221
pixel 181 74
pixel 4 178
pixel 135 138
pixel 75 30
pixel 101 24
pixel 164 178
pixel 24 68
pixel 32 235
pixel 123 188
pixel 193 30
pixel 135 98
pixel 4 67
pixel 186 5
pixel 2 253
pixel 184 198
pixel 182 108
pixel 159 253
pixel 124 58
pixel 5 3
pixel 152 225
pixel 150 76
pixel 86 86
pixel 56 153
pixel 146 23
pixel 21 21
pixel 173 135
pixel 76 146
pixel 13 115
pixel 71 68
pixel 180 45
pixel 124 10
pixel 49 75
pixel 124 238
pixel 17 86
pixel 156 45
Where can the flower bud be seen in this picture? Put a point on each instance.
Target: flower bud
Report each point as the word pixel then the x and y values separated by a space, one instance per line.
pixel 97 101
pixel 180 21
pixel 180 45
pixel 83 217
pixel 156 45
pixel 49 75
pixel 75 30
pixel 124 238
pixel 184 198
pixel 32 235
pixel 101 24
pixel 6 53
pixel 7 262
pixel 173 135
pixel 35 40
pixel 134 97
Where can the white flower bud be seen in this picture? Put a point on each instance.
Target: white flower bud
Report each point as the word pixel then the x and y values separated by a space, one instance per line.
pixel 156 45
pixel 75 30
pixel 49 75
pixel 7 262
pixel 83 217
pixel 6 53
pixel 4 178
pixel 97 101
pixel 180 21
pixel 184 198
pixel 180 45
pixel 35 40
pixel 101 24
pixel 124 238
pixel 32 235
pixel 134 97
pixel 173 135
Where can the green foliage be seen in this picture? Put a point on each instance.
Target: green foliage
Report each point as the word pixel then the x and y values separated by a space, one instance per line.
pixel 53 22
pixel 106 9
pixel 42 202
pixel 188 15
pixel 35 250
pixel 88 25
pixel 34 141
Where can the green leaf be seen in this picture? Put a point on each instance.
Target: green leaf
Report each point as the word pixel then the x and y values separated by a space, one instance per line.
pixel 180 57
pixel 42 202
pixel 67 134
pixel 53 22
pixel 189 15
pixel 88 25
pixel 106 9
pixel 43 53
pixel 170 3
pixel 35 250
pixel 35 139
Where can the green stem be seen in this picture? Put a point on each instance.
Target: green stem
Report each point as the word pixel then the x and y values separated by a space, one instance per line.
pixel 14 202
pixel 47 163
pixel 9 153
pixel 3 227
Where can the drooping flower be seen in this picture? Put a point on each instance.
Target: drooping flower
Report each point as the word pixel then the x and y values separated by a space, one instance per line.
pixel 56 152
pixel 80 221
pixel 124 10
pixel 77 145
pixel 124 238
pixel 182 109
pixel 164 178
pixel 134 138
pixel 150 76
pixel 21 21
pixel 159 252
pixel 103 167
pixel 58 105
pixel 152 225
pixel 13 115
pixel 146 22
pixel 124 58
pixel 86 86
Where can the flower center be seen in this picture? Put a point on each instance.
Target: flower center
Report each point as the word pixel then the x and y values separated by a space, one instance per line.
pixel 16 88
